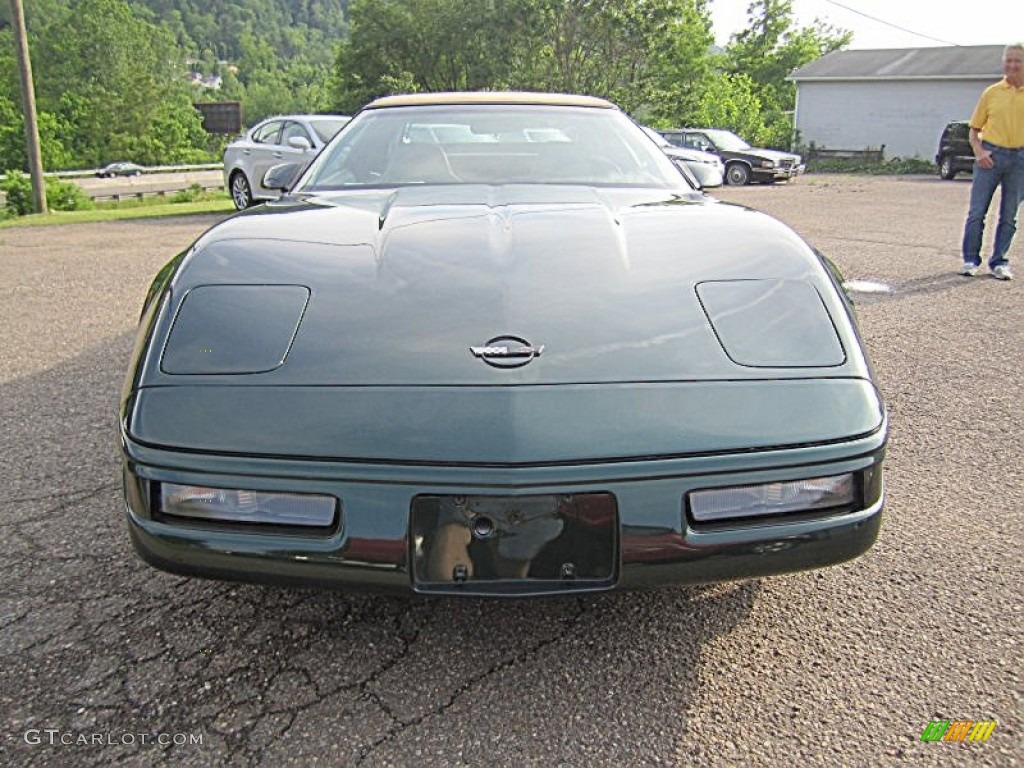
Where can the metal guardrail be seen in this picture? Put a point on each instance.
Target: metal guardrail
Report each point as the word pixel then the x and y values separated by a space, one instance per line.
pixel 164 191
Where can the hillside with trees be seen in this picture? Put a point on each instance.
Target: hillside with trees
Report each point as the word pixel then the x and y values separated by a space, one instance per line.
pixel 291 28
pixel 111 76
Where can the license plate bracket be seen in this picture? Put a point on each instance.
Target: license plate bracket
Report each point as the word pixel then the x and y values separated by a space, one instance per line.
pixel 552 542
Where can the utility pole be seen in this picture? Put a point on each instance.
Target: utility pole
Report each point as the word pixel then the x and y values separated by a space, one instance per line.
pixel 28 105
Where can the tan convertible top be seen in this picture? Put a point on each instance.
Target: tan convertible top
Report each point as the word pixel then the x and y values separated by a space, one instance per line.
pixel 490 97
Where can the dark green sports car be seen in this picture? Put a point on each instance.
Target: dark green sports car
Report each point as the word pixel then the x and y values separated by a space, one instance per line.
pixel 496 344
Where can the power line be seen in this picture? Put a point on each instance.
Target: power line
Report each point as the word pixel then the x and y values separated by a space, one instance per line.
pixel 890 24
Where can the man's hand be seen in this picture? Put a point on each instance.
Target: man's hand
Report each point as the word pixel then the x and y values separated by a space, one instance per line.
pixel 982 156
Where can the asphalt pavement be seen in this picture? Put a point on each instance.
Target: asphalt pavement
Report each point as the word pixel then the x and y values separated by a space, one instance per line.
pixel 106 661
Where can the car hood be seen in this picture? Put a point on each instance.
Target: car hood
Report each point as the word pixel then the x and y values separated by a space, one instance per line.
pixel 385 289
pixel 771 154
pixel 342 327
pixel 693 155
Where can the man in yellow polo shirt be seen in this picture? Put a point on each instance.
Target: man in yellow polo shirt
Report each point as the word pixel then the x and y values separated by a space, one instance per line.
pixel 997 138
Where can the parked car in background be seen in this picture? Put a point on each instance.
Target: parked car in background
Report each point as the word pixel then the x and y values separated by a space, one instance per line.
pixel 955 154
pixel 521 356
pixel 707 169
pixel 120 168
pixel 281 139
pixel 743 163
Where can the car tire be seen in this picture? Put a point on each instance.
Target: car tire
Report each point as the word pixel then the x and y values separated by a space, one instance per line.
pixel 241 192
pixel 946 170
pixel 737 174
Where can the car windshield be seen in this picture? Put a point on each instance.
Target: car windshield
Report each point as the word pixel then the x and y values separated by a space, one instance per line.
pixel 727 140
pixel 326 129
pixel 490 144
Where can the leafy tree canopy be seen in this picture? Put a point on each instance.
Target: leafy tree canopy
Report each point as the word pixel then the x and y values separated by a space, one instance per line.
pixel 110 74
pixel 768 50
pixel 114 80
pixel 619 49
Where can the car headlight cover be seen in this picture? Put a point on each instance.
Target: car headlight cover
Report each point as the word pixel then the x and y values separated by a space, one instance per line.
pixel 241 506
pixel 767 163
pixel 819 493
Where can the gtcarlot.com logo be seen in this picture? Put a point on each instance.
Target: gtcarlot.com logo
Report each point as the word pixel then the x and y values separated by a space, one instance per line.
pixel 958 730
pixel 58 738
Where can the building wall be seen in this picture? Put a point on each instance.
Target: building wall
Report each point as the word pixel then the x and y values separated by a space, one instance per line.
pixel 906 116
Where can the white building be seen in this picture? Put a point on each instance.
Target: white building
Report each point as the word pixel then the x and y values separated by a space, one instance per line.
pixel 896 99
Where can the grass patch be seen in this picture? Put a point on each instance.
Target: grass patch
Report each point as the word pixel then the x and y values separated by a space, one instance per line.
pixel 128 209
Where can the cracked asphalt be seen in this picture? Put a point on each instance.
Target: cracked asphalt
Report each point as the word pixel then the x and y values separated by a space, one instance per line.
pixel 106 661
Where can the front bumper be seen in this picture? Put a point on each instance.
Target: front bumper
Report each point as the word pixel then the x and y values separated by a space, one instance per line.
pixel 374 546
pixel 778 173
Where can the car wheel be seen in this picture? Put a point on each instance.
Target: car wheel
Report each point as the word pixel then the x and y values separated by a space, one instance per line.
pixel 946 170
pixel 136 173
pixel 241 193
pixel 737 174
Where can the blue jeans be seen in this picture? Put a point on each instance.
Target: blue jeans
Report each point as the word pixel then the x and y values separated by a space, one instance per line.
pixel 1008 175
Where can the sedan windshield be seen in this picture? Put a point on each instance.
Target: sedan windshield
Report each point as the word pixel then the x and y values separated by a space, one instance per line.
pixel 490 144
pixel 727 140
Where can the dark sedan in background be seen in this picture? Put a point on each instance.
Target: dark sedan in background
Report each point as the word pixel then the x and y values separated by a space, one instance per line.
pixel 120 168
pixel 743 163
pixel 495 344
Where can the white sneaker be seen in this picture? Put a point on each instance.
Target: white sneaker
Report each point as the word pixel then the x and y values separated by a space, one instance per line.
pixel 968 269
pixel 1002 272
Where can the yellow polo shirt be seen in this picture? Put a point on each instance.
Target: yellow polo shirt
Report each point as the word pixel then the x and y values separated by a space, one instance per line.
pixel 999 115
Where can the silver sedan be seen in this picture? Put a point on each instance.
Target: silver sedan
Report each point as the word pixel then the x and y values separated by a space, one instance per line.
pixel 706 168
pixel 281 139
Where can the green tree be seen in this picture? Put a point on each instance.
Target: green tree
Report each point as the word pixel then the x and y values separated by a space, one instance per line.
pixel 272 86
pixel 620 49
pixel 641 54
pixel 108 86
pixel 768 50
pixel 12 138
pixel 683 68
pixel 431 45
pixel 280 53
pixel 730 101
pixel 112 76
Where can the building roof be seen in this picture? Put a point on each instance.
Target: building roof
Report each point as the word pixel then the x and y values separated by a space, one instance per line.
pixel 961 62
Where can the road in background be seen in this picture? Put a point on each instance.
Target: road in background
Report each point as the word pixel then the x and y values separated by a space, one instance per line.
pixel 103 657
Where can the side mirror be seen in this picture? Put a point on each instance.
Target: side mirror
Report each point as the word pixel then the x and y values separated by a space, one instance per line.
pixel 281 177
pixel 300 142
